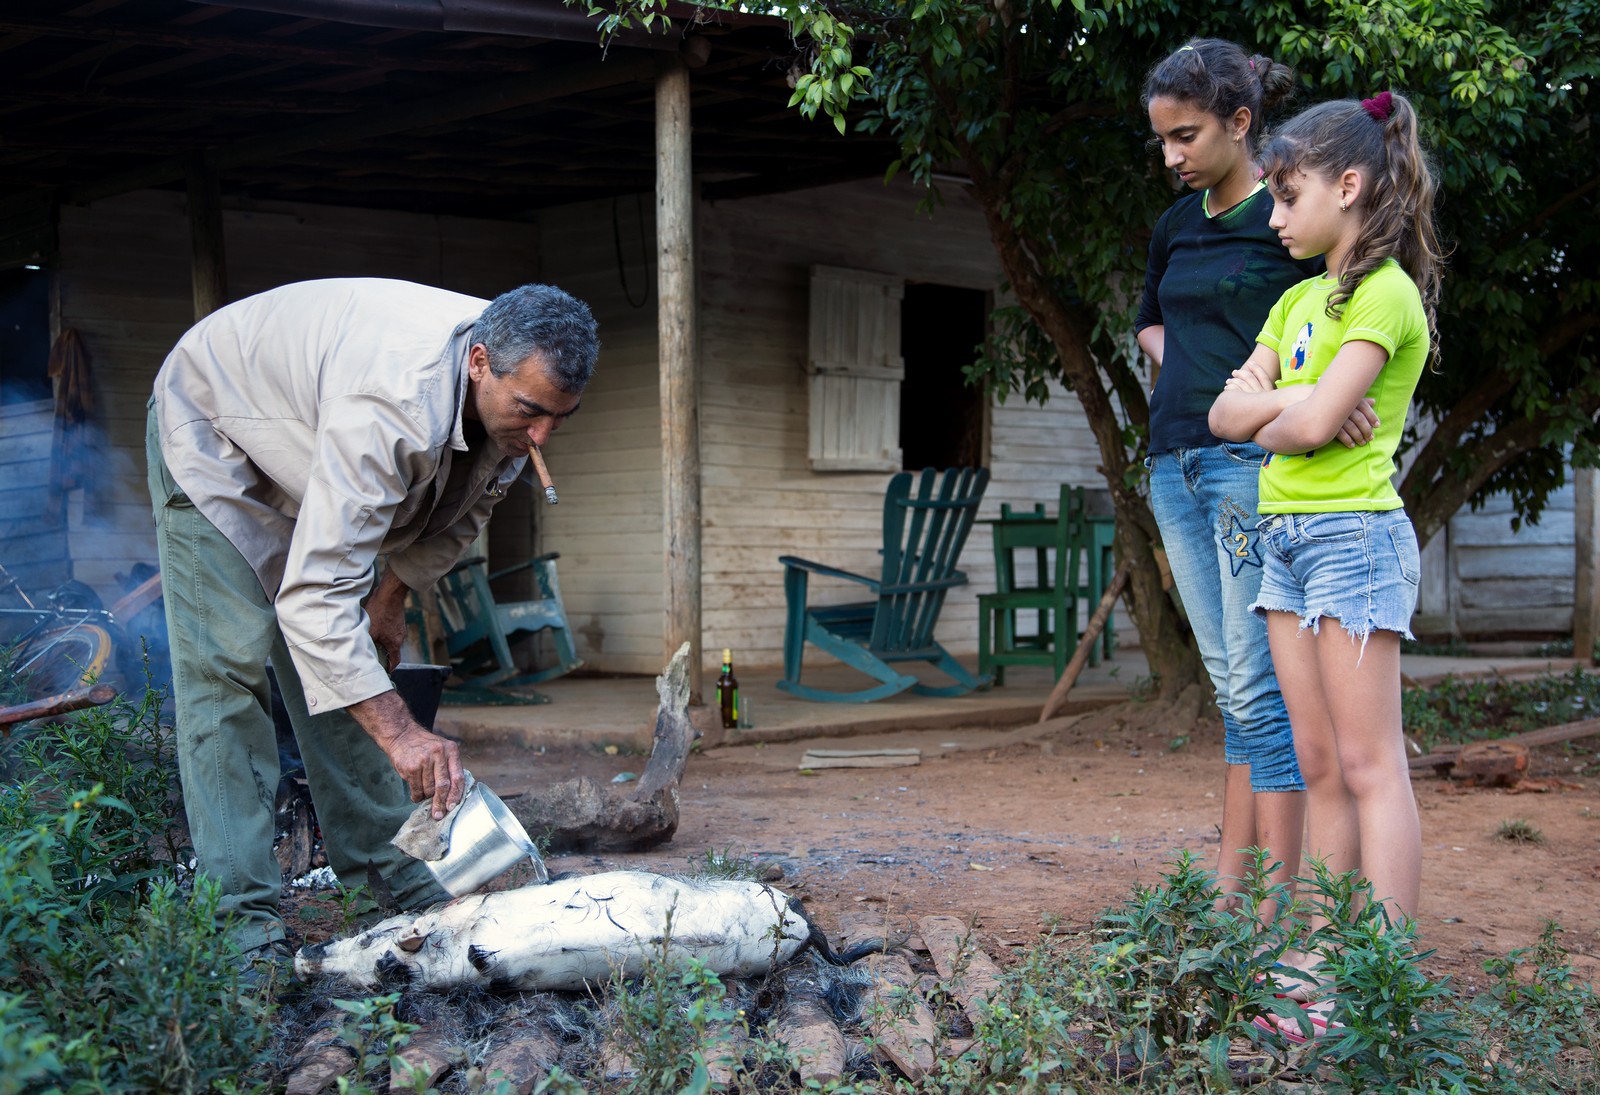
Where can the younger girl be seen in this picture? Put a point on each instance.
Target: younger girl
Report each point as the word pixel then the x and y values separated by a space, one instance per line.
pixel 1350 182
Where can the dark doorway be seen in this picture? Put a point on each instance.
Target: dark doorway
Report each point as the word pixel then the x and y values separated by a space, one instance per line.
pixel 24 335
pixel 941 416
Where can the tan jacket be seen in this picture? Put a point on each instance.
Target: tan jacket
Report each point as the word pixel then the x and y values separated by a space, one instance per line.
pixel 319 425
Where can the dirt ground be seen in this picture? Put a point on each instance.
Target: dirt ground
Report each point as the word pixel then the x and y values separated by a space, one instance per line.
pixel 1010 833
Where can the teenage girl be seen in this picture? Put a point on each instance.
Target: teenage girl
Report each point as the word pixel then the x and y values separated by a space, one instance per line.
pixel 1350 182
pixel 1215 269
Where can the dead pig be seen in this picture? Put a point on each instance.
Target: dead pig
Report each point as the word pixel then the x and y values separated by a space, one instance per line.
pixel 570 932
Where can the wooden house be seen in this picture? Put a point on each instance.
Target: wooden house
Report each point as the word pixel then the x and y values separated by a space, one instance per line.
pixel 163 157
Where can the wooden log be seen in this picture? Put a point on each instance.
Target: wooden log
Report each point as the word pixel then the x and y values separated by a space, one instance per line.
pixel 1444 758
pixel 804 1025
pixel 723 1049
pixel 1497 763
pixel 294 850
pixel 61 704
pixel 523 1060
pixel 1091 632
pixel 429 1054
pixel 898 1019
pixel 580 815
pixel 679 352
pixel 319 1069
pixel 969 974
pixel 322 1059
pixel 145 593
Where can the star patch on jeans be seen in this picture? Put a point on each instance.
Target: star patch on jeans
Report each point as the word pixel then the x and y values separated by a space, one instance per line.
pixel 1242 545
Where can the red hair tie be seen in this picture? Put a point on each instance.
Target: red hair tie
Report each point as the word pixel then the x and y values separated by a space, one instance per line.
pixel 1380 106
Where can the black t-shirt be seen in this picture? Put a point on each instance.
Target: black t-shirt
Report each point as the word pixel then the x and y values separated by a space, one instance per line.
pixel 1210 283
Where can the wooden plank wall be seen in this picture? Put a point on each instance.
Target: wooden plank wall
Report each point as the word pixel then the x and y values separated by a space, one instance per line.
pixel 1507 585
pixel 123 281
pixel 33 526
pixel 606 461
pixel 760 499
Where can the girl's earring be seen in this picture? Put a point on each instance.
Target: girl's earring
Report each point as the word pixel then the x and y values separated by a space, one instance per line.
pixel 1343 205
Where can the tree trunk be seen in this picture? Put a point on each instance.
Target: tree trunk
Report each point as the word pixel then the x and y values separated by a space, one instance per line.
pixel 1168 647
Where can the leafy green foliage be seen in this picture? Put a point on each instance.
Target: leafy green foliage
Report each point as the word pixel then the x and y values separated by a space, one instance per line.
pixel 1395 1029
pixel 671 1021
pixel 113 973
pixel 1541 1019
pixel 376 1035
pixel 1471 709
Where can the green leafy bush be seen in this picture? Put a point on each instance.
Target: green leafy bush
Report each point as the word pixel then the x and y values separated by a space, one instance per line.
pixel 113 975
pixel 1462 710
pixel 1536 1025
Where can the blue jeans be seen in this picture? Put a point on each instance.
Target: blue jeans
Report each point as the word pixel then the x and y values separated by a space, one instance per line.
pixel 1204 500
pixel 223 631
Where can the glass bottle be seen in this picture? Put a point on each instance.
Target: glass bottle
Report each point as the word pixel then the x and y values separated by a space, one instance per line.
pixel 728 692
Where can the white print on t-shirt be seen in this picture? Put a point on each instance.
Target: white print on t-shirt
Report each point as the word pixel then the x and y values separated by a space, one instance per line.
pixel 1302 343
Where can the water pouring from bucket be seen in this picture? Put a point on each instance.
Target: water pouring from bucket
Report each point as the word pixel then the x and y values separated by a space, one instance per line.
pixel 478 841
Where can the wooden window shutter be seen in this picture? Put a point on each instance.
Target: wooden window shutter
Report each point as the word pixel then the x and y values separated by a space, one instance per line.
pixel 855 369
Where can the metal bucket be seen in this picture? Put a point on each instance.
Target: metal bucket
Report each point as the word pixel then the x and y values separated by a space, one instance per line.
pixel 486 840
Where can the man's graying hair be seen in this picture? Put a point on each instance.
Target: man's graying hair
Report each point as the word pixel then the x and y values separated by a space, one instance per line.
pixel 545 321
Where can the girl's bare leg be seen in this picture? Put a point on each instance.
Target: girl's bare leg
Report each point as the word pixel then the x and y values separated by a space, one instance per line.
pixel 1280 818
pixel 1333 832
pixel 1274 820
pixel 1362 690
pixel 1238 834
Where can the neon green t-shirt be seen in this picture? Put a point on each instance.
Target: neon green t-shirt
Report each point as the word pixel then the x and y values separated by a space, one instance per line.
pixel 1386 309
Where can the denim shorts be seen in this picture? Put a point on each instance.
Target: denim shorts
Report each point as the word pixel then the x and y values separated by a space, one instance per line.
pixel 1360 568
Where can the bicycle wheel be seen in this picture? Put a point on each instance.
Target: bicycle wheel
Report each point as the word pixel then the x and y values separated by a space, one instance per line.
pixel 62 659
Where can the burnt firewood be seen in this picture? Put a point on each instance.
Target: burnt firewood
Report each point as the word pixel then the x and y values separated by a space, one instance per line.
pixel 523 1060
pixel 428 1054
pixel 322 1059
pixel 897 1017
pixel 804 1025
pixel 580 815
pixel 969 974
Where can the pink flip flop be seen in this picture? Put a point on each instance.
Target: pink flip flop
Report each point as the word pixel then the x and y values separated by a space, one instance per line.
pixel 1290 1029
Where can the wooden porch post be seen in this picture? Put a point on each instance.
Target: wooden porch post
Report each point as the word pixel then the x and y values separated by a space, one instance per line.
pixel 208 262
pixel 1586 590
pixel 680 368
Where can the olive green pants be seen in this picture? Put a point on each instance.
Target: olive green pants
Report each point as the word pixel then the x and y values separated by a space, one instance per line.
pixel 222 631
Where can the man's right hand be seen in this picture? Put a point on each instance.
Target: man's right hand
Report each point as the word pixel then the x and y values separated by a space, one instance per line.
pixel 430 764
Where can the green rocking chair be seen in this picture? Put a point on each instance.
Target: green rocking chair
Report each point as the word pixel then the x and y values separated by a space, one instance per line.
pixel 478 631
pixel 923 534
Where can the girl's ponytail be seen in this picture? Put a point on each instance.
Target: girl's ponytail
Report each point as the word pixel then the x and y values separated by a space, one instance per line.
pixel 1379 137
pixel 1412 188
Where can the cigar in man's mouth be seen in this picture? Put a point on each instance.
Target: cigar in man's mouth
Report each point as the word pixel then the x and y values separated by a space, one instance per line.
pixel 544 474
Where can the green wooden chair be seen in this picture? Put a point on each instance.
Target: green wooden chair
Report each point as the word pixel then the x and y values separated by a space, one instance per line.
pixel 1057 545
pixel 923 534
pixel 478 632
